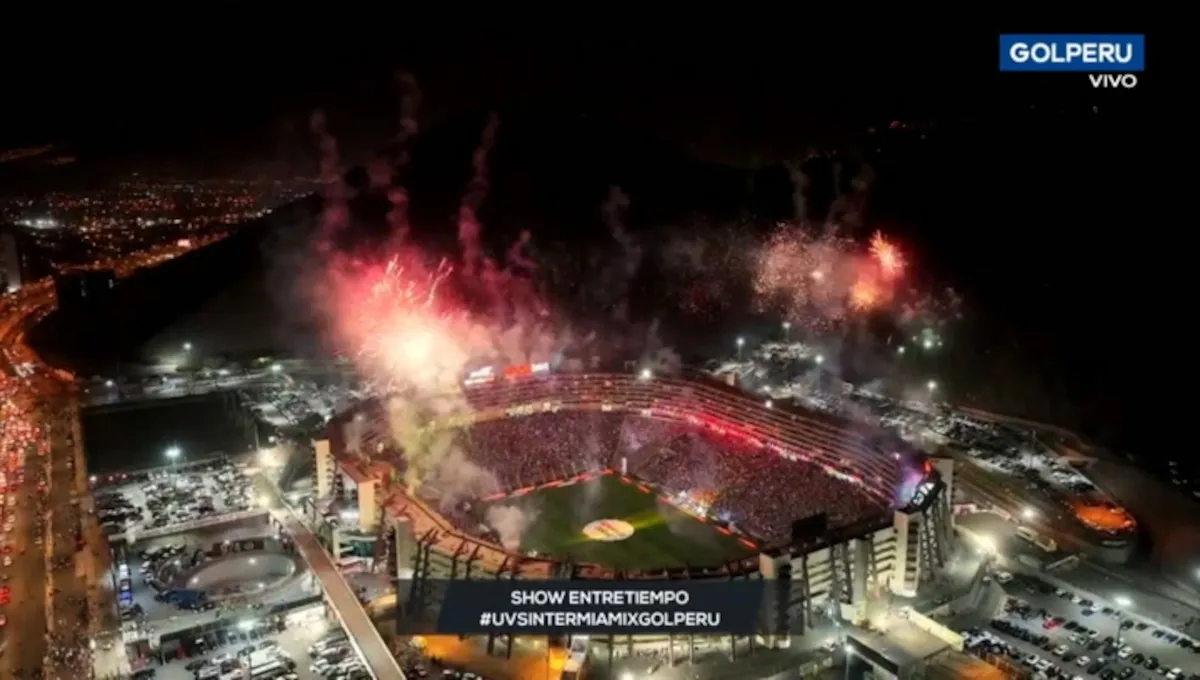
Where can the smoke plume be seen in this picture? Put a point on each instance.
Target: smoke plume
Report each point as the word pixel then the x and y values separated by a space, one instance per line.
pixel 510 523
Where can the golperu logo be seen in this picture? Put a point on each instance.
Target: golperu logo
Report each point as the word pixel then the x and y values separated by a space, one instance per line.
pixel 1111 61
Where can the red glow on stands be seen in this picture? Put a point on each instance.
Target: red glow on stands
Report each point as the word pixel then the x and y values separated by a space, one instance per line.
pixel 643 487
pixel 518 371
pixel 626 479
pixel 525 490
pixel 748 544
pixel 664 499
pixel 725 531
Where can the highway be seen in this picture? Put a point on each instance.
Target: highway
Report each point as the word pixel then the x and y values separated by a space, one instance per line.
pixel 363 635
pixel 27 578
pixel 70 625
pixel 27 613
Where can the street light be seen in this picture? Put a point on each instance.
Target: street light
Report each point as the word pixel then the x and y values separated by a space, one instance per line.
pixel 931 385
pixel 173 453
pixel 1029 513
pixel 187 346
pixel 741 342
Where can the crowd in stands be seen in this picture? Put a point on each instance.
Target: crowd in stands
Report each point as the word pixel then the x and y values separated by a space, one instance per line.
pixel 759 491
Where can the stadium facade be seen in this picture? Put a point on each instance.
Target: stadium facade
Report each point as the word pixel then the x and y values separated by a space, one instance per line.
pixel 822 573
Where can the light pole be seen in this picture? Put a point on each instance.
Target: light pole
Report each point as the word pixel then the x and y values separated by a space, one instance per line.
pixel 173 453
pixel 741 342
pixel 1123 602
pixel 849 655
pixel 787 331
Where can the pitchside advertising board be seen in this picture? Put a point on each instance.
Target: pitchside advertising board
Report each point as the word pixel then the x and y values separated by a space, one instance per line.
pixel 1110 61
pixel 601 607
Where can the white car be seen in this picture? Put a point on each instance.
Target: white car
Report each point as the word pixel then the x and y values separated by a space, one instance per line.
pixel 1082 661
pixel 1093 634
pixel 1003 577
pixel 1125 652
pixel 1060 650
pixel 1175 674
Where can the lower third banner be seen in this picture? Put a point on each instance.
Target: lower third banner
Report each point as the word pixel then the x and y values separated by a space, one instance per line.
pixel 600 607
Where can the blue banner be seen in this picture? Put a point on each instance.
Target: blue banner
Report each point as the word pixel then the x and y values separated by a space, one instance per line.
pixel 601 607
pixel 1083 52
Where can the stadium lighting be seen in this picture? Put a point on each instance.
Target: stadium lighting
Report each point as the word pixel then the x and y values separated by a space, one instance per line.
pixel 741 341
pixel 932 385
pixel 1122 601
pixel 1029 512
pixel 820 359
pixel 787 325
pixel 646 374
pixel 848 649
pixel 769 404
pixel 187 346
pixel 108 383
pixel 900 350
pixel 173 453
pixel 276 368
pixel 627 676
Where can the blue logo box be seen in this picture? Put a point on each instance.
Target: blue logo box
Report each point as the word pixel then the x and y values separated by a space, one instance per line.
pixel 1082 52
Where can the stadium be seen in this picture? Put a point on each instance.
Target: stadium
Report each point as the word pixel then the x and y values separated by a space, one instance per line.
pixel 637 476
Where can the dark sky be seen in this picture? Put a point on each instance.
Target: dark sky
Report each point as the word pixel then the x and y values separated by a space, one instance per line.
pixel 731 94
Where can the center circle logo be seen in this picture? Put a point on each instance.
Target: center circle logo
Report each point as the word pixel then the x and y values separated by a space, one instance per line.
pixel 608 530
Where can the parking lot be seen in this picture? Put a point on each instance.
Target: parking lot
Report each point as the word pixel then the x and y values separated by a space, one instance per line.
pixel 1151 598
pixel 1061 633
pixel 152 615
pixel 167 497
pixel 278 647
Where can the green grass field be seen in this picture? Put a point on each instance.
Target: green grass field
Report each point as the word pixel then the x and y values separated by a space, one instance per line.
pixel 664 536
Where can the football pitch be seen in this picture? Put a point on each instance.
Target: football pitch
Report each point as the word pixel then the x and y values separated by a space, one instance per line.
pixel 571 521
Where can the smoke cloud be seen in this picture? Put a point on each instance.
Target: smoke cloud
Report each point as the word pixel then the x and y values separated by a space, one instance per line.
pixel 510 523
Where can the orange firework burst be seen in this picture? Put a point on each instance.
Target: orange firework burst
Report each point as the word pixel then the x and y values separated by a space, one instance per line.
pixel 890 259
pixel 864 294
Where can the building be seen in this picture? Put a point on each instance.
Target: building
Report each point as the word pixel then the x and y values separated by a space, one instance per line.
pixel 10 260
pixel 22 259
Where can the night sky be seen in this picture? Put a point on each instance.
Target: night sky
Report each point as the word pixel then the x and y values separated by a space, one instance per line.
pixel 1031 200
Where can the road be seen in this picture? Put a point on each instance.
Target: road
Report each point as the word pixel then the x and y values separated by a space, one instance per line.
pixel 27 578
pixel 363 635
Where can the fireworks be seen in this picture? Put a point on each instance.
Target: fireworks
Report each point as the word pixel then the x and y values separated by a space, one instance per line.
pixel 397 321
pixel 817 281
pixel 890 260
